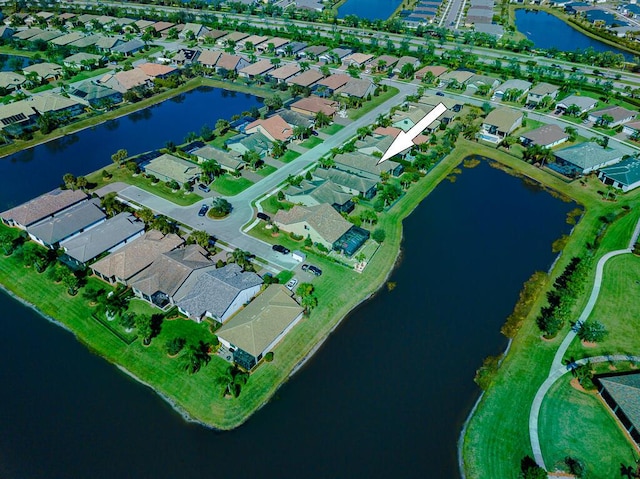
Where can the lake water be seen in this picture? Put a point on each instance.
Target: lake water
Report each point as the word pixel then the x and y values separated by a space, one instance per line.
pixel 370 9
pixel 384 397
pixel 43 166
pixel 547 31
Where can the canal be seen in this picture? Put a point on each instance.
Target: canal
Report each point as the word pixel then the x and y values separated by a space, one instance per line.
pixel 547 31
pixel 369 9
pixel 385 396
pixel 43 166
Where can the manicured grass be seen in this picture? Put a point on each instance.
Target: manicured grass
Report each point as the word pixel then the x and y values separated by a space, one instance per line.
pixel 159 188
pixel 266 170
pixel 85 74
pixel 219 141
pixel 578 424
pixel 227 185
pixel 289 156
pixel 311 142
pixel 332 129
pixel 373 103
pixel 271 205
pixel 42 88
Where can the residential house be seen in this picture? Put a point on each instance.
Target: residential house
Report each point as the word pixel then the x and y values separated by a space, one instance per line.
pixel 499 123
pixel 106 237
pixel 311 105
pixel 214 35
pixel 253 41
pixel 306 79
pixel 375 145
pixel 316 192
pixel 17 117
pixel 27 34
pixel 513 88
pixel 209 58
pixel 230 161
pixel 109 44
pixel 435 70
pixel 44 71
pixel 54 103
pixel 171 168
pixel 128 48
pixel 334 56
pixel 272 44
pixel 67 39
pixel 618 116
pixel 162 28
pixel 126 80
pixel 67 224
pixel 233 63
pixel 45 36
pixel 587 157
pixel 295 119
pixel 352 184
pixel 96 95
pixel 254 142
pixel 196 29
pixel 172 31
pixel 540 91
pixel 292 49
pixel 85 41
pixel 478 81
pixel 357 88
pixel 82 61
pixel 405 120
pixel 284 73
pixel 405 60
pixel 455 76
pixel 6 32
pixel 216 293
pixel 546 135
pixel 156 70
pixel 358 60
pixel 256 69
pixel 231 39
pixel 122 265
pixel 327 86
pixel 11 81
pixel 632 129
pixel 366 166
pixel 274 128
pixel 260 326
pixel 584 103
pixel 624 175
pixel 186 56
pixel 313 52
pixel 159 282
pixel 322 223
pixel 621 392
pixel 383 63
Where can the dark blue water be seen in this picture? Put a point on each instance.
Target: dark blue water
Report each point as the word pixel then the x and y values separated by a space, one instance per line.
pixel 384 397
pixel 13 63
pixel 547 31
pixel 371 9
pixel 43 166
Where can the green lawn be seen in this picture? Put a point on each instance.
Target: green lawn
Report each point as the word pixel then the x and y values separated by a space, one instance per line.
pixel 41 88
pixel 579 424
pixel 271 205
pixel 219 141
pixel 85 74
pixel 311 142
pixel 289 156
pixel 227 185
pixel 266 170
pixel 373 103
pixel 159 189
pixel 332 129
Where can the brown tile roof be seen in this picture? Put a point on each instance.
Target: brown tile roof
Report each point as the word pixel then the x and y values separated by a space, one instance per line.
pixel 285 71
pixel 314 104
pixel 228 62
pixel 234 37
pixel 325 220
pixel 209 58
pixel 335 81
pixel 387 131
pixel 274 126
pixel 436 70
pixel 161 26
pixel 43 206
pixel 132 78
pixel 258 68
pixel 389 61
pixel 307 78
pixel 137 255
pixel 155 69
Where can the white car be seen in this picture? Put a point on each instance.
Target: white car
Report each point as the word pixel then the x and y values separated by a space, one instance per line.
pixel 291 284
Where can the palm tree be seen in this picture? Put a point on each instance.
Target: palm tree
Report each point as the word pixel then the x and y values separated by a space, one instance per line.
pixel 470 131
pixel 195 356
pixel 241 258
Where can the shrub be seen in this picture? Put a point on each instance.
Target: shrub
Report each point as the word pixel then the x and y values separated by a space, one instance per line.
pixel 268 357
pixel 592 331
pixel 379 235
pixel 127 320
pixel 174 346
pixel 486 372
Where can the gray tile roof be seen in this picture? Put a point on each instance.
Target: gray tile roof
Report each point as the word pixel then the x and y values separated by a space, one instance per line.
pixel 86 246
pixel 213 290
pixel 545 135
pixel 326 221
pixel 625 391
pixel 346 180
pixel 70 222
pixel 588 155
pixel 43 206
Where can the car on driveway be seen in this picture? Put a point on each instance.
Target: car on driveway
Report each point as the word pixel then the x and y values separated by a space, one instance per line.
pixel 203 187
pixel 203 210
pixel 280 249
pixel 312 269
pixel 291 284
pixel 263 216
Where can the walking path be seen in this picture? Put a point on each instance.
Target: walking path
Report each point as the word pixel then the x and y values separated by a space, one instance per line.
pixel 557 368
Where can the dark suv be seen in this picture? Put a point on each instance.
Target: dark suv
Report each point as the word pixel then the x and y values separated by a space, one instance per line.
pixel 280 249
pixel 312 269
pixel 263 216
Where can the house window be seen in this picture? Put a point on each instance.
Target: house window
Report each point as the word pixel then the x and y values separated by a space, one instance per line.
pixel 306 227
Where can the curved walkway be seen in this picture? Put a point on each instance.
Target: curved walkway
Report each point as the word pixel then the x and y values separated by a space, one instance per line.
pixel 557 368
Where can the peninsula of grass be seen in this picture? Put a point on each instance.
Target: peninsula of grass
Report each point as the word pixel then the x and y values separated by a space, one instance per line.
pixel 228 185
pixel 311 142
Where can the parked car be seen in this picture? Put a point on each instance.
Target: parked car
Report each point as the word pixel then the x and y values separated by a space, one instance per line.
pixel 291 284
pixel 312 269
pixel 203 187
pixel 203 210
pixel 263 216
pixel 280 249
pixel 439 93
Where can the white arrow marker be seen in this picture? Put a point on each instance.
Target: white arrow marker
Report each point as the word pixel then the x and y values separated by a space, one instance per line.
pixel 405 139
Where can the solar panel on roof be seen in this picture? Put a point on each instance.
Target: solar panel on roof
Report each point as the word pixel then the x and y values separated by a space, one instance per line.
pixel 13 119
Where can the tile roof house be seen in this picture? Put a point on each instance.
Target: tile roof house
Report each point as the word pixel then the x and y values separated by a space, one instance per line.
pixel 157 70
pixel 334 56
pixel 313 51
pixel 624 175
pixel 478 80
pixel 352 184
pixel 621 392
pixel 105 237
pixel 260 326
pixel 128 48
pixel 11 81
pixel 330 84
pixel 85 41
pixel 357 87
pixel 124 81
pixel 520 86
pixel 196 29
pixel 82 61
pixel 405 60
pixel 17 116
pixel 631 128
pixel 546 135
pixel 254 40
pixel 216 293
pixel 587 157
pixel 541 90
pixel 254 142
pixel 95 94
pixel 158 283
pixel 316 192
pixel 67 39
pixel 357 59
pixel 618 114
pixel 585 103
pixel 291 49
pixel 383 63
pixel 294 119
pixel 274 128
pixel 435 70
pixel 209 58
pixel 312 105
pixel 53 103
pixel 65 225
pixel 120 266
pixel 365 165
pixel 167 167
pixel 230 161
pixel 460 76
pixel 275 43
pixel 499 123
pixel 42 207
pixel 231 63
pixel 285 73
pixel 44 71
pixel 256 69
pixel 322 223
pixel 107 44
